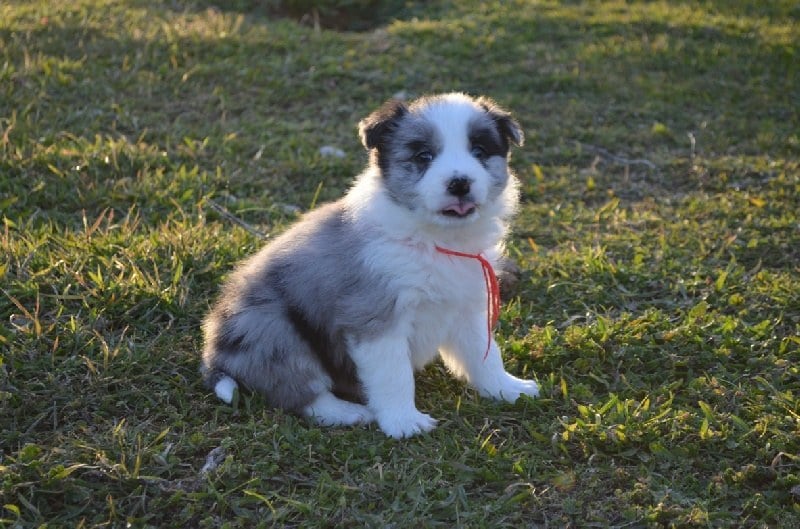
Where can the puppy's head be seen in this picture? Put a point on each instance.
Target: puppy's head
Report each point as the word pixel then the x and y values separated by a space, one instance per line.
pixel 445 157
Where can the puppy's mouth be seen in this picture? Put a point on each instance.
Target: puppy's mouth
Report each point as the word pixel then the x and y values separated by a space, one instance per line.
pixel 459 209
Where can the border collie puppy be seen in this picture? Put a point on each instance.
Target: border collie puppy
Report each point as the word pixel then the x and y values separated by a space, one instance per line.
pixel 331 319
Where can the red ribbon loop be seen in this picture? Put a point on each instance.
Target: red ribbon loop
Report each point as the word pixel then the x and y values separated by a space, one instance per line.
pixel 492 291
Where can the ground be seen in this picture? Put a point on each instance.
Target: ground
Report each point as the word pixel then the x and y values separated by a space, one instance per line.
pixel 146 147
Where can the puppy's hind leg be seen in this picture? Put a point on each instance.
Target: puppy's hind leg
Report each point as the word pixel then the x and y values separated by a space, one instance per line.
pixel 329 410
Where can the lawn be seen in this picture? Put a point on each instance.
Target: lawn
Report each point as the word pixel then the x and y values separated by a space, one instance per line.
pixel 146 147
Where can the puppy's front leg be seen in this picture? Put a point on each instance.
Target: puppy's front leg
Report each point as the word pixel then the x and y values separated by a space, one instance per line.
pixel 385 370
pixel 466 357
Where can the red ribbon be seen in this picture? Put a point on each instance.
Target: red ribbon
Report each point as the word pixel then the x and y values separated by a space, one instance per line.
pixel 492 291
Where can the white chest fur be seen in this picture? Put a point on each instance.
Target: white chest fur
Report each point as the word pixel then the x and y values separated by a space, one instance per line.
pixel 435 292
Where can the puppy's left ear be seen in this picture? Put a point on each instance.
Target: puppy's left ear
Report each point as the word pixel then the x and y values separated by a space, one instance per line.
pixel 376 128
pixel 506 124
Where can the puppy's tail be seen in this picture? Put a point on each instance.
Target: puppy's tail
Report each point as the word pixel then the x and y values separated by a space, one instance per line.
pixel 222 384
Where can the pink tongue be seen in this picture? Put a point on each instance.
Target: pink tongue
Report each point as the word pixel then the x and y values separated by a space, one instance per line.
pixel 461 209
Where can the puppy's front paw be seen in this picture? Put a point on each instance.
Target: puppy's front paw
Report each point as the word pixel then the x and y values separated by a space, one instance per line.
pixel 509 388
pixel 405 423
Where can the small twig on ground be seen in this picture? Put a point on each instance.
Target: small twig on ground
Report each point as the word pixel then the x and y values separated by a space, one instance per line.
pixel 190 484
pixel 236 220
pixel 608 155
pixel 213 459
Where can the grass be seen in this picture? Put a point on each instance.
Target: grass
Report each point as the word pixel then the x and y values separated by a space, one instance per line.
pixel 659 239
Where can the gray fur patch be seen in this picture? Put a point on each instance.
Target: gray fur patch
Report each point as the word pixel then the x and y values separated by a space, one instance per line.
pixel 484 134
pixel 402 167
pixel 280 322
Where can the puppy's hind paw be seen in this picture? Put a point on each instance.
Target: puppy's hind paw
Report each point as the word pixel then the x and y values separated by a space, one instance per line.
pixel 405 423
pixel 328 410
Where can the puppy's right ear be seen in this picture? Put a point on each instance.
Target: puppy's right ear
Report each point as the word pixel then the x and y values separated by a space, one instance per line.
pixel 376 128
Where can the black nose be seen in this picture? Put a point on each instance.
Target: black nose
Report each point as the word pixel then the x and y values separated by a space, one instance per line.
pixel 458 186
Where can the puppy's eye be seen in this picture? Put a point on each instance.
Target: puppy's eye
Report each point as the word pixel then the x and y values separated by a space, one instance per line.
pixel 478 152
pixel 423 157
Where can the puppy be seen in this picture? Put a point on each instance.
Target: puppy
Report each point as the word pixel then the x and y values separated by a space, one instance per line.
pixel 331 319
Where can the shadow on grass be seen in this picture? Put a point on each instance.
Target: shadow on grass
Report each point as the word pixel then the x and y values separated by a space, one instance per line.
pixel 339 15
